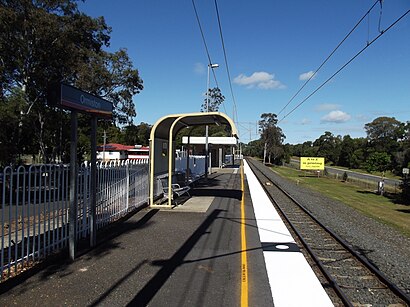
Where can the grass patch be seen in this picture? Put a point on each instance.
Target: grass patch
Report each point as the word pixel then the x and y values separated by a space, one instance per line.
pixel 381 208
pixel 387 174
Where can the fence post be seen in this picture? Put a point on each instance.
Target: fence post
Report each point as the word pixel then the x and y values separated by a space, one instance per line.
pixel 127 168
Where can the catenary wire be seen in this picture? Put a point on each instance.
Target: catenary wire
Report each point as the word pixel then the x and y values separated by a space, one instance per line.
pixel 204 41
pixel 330 55
pixel 234 114
pixel 347 63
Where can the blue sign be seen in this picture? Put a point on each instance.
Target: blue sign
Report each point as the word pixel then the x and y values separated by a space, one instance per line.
pixel 69 97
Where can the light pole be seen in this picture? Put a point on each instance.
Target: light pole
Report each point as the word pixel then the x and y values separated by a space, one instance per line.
pixel 206 127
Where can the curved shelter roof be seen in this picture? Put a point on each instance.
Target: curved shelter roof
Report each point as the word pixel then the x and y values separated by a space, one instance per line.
pixel 167 127
pixel 162 127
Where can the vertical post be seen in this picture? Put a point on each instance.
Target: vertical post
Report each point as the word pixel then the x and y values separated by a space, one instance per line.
pixel 210 162
pixel 151 169
pixel 73 187
pixel 93 192
pixel 127 200
pixel 220 160
pixel 206 127
pixel 206 151
pixel 264 153
pixel 210 65
pixel 105 143
pixel 188 170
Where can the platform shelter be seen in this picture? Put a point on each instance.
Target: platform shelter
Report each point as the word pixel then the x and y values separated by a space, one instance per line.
pixel 162 142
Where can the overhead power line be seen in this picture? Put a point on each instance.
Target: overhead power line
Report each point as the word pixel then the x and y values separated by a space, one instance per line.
pixel 204 41
pixel 347 63
pixel 234 111
pixel 330 55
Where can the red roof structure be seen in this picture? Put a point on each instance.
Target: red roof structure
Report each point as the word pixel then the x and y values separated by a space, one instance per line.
pixel 114 147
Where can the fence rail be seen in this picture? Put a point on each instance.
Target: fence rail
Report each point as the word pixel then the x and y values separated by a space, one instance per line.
pixel 35 206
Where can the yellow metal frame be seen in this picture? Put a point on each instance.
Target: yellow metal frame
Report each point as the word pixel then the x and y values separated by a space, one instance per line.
pixel 177 118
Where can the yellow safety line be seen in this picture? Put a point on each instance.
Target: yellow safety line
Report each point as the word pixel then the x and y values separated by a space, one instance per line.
pixel 244 259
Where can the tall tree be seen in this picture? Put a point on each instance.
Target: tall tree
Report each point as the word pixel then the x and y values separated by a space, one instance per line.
pixel 253 148
pixel 303 150
pixel 328 147
pixel 346 152
pixel 272 137
pixel 112 76
pixel 133 135
pixel 215 99
pixel 384 133
pixel 377 161
pixel 40 42
pixel 45 41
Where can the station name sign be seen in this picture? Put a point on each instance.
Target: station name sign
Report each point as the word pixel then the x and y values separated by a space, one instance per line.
pixel 312 163
pixel 71 98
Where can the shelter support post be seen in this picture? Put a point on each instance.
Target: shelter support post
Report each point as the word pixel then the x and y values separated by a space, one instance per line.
pixel 165 129
pixel 187 174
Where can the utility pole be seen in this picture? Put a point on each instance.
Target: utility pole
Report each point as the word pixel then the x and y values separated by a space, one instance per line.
pixel 210 66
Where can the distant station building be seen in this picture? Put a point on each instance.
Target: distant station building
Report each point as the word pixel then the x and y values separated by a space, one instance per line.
pixel 220 148
pixel 138 152
pixel 113 151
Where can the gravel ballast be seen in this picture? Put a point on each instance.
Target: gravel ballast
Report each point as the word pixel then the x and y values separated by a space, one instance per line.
pixel 387 249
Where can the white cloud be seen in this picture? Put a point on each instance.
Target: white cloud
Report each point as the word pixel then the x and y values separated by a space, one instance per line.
pixel 199 68
pixel 261 79
pixel 327 107
pixel 306 75
pixel 306 121
pixel 336 117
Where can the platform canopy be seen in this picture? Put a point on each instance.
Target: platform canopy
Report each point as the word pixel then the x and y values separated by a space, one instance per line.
pixel 217 140
pixel 163 135
pixel 162 127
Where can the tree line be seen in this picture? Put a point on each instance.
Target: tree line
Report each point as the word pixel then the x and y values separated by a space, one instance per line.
pixel 47 41
pixel 385 148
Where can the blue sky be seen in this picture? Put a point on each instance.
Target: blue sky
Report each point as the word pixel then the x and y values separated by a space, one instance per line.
pixel 271 47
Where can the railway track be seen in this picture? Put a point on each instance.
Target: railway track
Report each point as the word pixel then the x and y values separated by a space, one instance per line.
pixel 351 276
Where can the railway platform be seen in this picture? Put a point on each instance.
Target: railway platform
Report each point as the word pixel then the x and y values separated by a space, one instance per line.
pixel 224 246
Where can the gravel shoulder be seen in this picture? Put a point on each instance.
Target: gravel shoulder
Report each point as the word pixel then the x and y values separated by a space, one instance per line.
pixel 384 247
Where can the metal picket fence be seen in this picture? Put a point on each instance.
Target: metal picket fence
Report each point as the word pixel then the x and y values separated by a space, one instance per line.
pixel 35 206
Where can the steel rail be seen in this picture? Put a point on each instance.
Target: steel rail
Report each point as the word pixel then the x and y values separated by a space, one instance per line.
pixel 397 291
pixel 322 268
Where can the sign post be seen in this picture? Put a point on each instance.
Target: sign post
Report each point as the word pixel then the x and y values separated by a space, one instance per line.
pixel 72 246
pixel 73 99
pixel 93 183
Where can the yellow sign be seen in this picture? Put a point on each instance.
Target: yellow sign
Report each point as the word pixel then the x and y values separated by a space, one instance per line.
pixel 312 163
